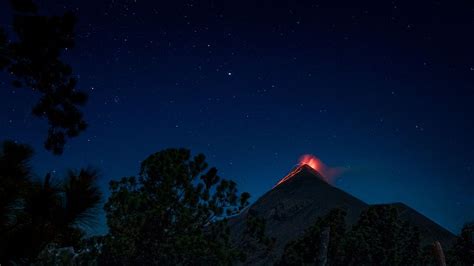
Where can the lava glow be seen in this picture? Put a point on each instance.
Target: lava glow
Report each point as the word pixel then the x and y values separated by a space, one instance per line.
pixel 313 162
pixel 329 174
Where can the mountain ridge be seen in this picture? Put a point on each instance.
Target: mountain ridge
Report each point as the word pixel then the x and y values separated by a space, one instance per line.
pixel 295 202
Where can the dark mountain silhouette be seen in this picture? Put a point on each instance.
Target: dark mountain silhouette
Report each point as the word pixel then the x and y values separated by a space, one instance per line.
pixel 430 231
pixel 294 205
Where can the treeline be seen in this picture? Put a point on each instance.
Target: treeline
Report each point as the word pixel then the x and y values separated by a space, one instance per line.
pixel 174 212
pixel 379 237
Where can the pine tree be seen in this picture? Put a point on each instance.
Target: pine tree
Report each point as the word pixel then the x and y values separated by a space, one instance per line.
pixel 38 212
pixel 32 58
pixel 172 213
pixel 305 250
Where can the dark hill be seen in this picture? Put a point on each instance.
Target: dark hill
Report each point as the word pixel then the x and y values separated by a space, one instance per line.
pixel 293 205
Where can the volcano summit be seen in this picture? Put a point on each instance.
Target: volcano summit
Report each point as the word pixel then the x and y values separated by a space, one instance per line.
pixel 294 204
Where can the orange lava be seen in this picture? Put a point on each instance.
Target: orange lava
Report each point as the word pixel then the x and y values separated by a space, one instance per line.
pixel 328 174
pixel 289 176
pixel 313 162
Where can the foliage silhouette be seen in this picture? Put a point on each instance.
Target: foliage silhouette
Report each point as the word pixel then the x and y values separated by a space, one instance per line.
pixel 462 252
pixel 33 60
pixel 39 212
pixel 381 238
pixel 174 212
pixel 15 174
pixel 304 251
pixel 378 238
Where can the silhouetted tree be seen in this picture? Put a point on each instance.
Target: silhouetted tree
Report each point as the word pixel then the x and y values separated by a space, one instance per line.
pixel 15 174
pixel 305 250
pixel 381 238
pixel 410 249
pixel 39 212
pixel 253 241
pixel 33 61
pixel 428 256
pixel 173 213
pixel 462 252
pixel 378 238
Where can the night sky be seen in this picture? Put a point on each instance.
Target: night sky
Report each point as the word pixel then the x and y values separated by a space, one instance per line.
pixel 383 89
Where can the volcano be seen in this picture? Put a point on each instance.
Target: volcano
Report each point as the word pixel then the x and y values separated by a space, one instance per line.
pixel 299 198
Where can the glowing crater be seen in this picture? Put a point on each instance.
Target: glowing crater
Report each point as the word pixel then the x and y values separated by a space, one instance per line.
pixel 327 173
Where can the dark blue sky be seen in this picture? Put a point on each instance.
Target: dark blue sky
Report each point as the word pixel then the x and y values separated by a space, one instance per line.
pixel 381 88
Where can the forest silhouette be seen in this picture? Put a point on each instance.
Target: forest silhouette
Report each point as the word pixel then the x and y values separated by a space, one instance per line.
pixel 174 212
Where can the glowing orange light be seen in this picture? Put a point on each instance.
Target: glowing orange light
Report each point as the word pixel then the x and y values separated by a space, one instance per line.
pixel 312 161
pixel 327 173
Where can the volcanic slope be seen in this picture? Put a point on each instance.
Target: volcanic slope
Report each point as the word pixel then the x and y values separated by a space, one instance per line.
pixel 295 203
